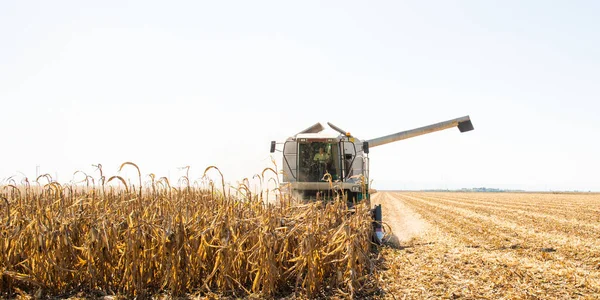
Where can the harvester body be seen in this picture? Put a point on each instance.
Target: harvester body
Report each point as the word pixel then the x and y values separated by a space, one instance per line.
pixel 320 165
pixel 308 157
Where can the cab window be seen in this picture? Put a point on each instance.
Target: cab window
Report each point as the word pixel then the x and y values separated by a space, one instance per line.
pixel 315 159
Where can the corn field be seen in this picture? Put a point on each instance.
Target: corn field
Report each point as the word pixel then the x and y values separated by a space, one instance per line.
pixel 139 240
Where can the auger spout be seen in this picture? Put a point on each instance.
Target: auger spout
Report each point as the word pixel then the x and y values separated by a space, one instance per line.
pixel 464 124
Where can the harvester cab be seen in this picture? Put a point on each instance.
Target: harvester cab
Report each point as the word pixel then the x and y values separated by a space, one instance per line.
pixel 317 164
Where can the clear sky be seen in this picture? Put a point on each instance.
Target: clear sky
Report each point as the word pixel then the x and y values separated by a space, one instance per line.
pixel 169 84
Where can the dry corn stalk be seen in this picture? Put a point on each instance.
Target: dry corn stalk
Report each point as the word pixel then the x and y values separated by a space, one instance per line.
pixel 61 239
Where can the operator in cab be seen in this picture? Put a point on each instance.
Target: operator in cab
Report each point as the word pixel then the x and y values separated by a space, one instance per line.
pixel 321 156
pixel 321 160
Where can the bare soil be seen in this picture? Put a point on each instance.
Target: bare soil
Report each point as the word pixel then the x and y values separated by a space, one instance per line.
pixel 401 219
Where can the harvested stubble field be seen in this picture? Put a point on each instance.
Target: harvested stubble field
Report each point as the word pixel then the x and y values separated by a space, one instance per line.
pixel 62 241
pixel 493 245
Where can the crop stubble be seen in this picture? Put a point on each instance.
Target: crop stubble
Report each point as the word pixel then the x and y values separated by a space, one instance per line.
pixel 498 245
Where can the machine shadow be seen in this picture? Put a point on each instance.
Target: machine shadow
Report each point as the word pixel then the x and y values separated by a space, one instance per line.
pixel 394 243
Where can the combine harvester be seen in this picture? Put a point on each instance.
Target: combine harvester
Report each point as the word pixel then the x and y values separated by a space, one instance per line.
pixel 311 154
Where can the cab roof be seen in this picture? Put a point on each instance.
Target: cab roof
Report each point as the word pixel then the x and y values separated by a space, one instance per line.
pixel 318 135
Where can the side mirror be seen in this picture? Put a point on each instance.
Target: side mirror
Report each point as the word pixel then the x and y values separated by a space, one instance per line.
pixel 273 146
pixel 366 147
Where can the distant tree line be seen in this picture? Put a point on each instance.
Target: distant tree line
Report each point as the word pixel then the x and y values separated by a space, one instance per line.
pixel 477 189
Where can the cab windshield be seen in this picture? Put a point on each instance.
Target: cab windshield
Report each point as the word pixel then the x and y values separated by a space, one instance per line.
pixel 316 159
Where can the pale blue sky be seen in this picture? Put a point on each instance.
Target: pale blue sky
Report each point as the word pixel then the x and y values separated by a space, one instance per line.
pixel 167 84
